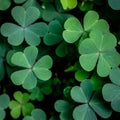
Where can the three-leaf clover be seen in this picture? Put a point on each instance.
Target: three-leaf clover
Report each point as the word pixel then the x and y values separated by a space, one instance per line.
pixel 111 91
pixel 20 105
pixel 4 102
pixel 99 50
pixel 36 114
pixel 26 29
pixel 90 103
pixel 32 70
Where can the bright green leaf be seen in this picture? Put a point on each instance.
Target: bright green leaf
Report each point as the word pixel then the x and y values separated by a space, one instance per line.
pixel 69 4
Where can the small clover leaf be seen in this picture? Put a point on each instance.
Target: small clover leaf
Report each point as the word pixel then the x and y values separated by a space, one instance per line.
pixel 27 77
pixel 4 4
pixel 4 102
pixel 69 4
pixel 99 49
pixel 20 105
pixel 54 34
pixel 90 104
pixel 43 88
pixel 28 31
pixel 114 87
pixel 65 109
pixel 36 114
pixel 73 30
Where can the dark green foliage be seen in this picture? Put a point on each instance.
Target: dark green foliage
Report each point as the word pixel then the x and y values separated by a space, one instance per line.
pixel 59 59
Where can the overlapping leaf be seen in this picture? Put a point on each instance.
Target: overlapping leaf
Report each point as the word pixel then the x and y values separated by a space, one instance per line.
pixel 111 91
pixel 73 30
pixel 54 34
pixel 91 104
pixel 99 50
pixel 65 109
pixel 20 105
pixel 28 31
pixel 32 70
pixel 4 102
pixel 37 114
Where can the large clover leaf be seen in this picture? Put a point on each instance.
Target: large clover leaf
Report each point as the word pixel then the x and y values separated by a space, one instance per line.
pixel 27 77
pixel 37 114
pixel 73 30
pixel 4 102
pixel 28 31
pixel 20 105
pixel 99 49
pixel 111 91
pixel 90 104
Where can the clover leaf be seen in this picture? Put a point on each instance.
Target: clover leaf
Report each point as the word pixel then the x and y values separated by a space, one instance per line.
pixel 99 50
pixel 4 102
pixel 4 4
pixel 69 4
pixel 43 88
pixel 114 4
pixel 32 70
pixel 36 114
pixel 54 34
pixel 20 105
pixel 90 103
pixel 73 30
pixel 27 30
pixel 111 91
pixel 65 109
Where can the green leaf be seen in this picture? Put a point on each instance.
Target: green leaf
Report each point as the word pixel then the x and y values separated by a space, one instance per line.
pixel 72 27
pixel 19 1
pixel 37 114
pixel 65 109
pixel 90 19
pixel 2 114
pixel 28 31
pixel 99 106
pixel 82 94
pixel 4 4
pixel 21 105
pixel 54 35
pixel 114 4
pixel 48 12
pixel 22 62
pixel 115 76
pixel 26 78
pixel 81 75
pixel 99 50
pixel 113 96
pixel 69 4
pixel 15 109
pixel 14 33
pixel 4 101
pixel 84 112
pixel 24 17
